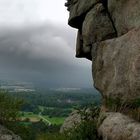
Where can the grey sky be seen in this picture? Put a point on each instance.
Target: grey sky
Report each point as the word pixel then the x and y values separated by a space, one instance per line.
pixel 37 45
pixel 25 12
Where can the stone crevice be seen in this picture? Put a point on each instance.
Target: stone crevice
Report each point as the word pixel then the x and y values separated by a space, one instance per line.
pixel 109 32
pixel 105 4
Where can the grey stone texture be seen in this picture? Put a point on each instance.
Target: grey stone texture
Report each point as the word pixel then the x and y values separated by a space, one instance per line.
pixel 119 127
pixel 116 66
pixel 78 8
pixel 70 122
pixel 109 36
pixel 125 14
pixel 96 27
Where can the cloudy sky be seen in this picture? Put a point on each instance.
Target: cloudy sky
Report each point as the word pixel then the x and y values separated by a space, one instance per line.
pixel 37 45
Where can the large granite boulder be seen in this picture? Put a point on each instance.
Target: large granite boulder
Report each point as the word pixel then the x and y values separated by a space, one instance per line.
pixel 116 66
pixel 71 122
pixel 119 127
pixel 109 36
pixel 125 14
pixel 96 27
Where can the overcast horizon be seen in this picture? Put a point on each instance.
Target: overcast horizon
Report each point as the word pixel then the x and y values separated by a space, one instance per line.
pixel 37 45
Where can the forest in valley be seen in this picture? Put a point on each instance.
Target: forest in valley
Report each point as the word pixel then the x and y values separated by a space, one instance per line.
pixel 35 114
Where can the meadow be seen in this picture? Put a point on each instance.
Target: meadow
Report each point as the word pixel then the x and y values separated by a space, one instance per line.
pixel 43 111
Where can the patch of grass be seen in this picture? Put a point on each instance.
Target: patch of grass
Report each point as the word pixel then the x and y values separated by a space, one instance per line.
pixel 128 107
pixel 35 118
pixel 29 116
pixel 55 120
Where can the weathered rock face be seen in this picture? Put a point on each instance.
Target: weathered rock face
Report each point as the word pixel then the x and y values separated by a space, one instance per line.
pixel 93 23
pixel 7 135
pixel 109 35
pixel 119 127
pixel 70 122
pixel 78 9
pixel 116 61
pixel 116 68
pixel 96 27
pixel 125 14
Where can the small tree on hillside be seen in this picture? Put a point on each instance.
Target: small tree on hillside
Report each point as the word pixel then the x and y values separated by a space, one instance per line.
pixel 9 107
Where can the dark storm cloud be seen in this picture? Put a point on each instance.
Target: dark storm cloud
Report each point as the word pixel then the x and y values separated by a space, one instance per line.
pixel 33 47
pixel 44 53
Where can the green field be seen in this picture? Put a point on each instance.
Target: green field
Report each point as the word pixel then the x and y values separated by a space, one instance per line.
pixel 29 116
pixel 35 117
pixel 55 120
pixel 40 114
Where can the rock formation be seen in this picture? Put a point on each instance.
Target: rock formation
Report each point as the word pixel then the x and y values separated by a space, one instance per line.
pixel 6 134
pixel 108 35
pixel 71 121
pixel 119 127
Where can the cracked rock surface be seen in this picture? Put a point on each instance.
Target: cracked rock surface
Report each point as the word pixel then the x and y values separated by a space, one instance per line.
pixel 109 36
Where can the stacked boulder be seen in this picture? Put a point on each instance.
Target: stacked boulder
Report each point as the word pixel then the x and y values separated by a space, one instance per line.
pixel 109 36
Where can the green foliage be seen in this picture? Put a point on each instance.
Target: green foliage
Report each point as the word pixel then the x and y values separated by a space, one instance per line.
pixel 24 131
pixel 33 131
pixel 51 136
pixel 118 105
pixel 56 112
pixel 113 104
pixel 48 132
pixel 55 104
pixel 135 103
pixel 57 99
pixel 87 129
pixel 128 107
pixel 9 107
pixel 9 114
